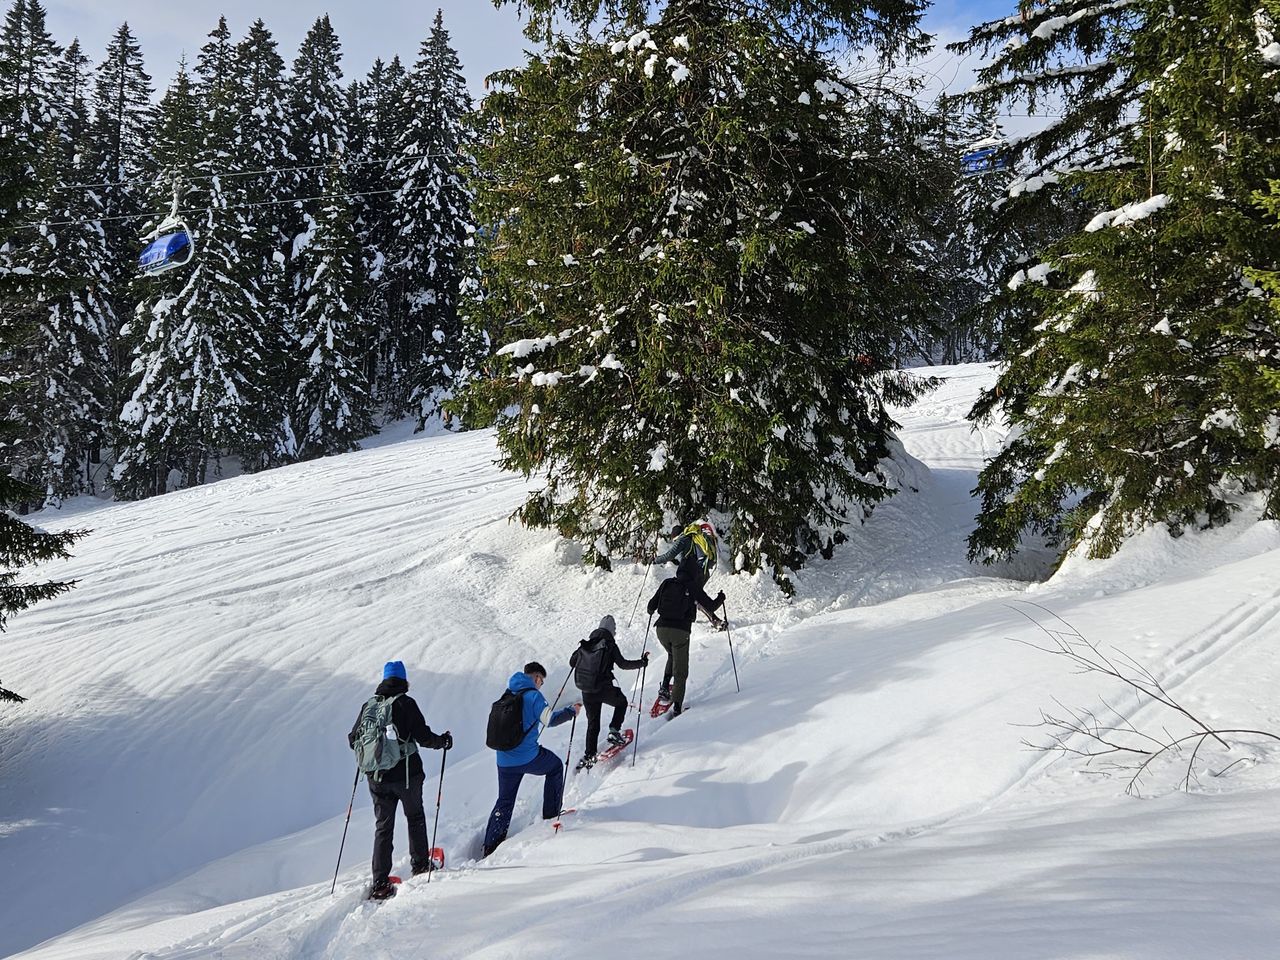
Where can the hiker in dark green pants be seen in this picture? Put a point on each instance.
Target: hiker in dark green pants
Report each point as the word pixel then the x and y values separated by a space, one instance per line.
pixel 676 604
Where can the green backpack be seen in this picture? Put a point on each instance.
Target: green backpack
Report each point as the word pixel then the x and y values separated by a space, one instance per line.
pixel 378 750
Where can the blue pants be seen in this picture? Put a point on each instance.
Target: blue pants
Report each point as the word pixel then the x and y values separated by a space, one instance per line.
pixel 545 764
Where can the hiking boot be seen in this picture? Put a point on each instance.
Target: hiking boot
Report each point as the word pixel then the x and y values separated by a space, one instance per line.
pixel 664 693
pixel 382 890
pixel 615 737
pixel 676 710
pixel 421 867
pixel 586 763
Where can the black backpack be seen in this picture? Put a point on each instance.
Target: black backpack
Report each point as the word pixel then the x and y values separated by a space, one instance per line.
pixel 675 601
pixel 589 667
pixel 506 729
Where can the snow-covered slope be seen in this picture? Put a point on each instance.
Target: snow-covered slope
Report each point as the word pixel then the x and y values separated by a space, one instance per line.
pixel 176 786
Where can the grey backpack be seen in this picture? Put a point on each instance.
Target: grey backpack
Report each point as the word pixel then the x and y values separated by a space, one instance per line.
pixel 378 748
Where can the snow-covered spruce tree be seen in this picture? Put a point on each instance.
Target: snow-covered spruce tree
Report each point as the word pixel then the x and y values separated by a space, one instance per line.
pixel 260 151
pixel 377 123
pixel 331 409
pixel 318 113
pixel 430 254
pixel 691 259
pixel 61 398
pixel 122 166
pixel 1137 397
pixel 318 127
pixel 20 543
pixel 63 401
pixel 317 105
pixel 197 380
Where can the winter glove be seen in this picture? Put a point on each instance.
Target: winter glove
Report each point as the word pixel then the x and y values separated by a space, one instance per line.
pixel 644 658
pixel 447 743
pixel 719 599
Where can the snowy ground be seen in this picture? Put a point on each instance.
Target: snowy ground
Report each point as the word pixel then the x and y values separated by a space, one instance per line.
pixel 175 788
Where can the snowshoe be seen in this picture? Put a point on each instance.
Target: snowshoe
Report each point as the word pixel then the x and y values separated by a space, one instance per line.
pixel 435 863
pixel 659 707
pixel 615 738
pixel 586 763
pixel 383 889
pixel 616 746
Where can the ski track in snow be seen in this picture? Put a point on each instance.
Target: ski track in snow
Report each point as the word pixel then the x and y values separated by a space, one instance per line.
pixel 864 795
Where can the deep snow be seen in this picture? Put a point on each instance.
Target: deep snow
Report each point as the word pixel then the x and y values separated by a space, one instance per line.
pixel 176 786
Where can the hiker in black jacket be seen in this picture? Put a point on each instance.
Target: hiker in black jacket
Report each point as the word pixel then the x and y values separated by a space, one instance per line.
pixel 676 604
pixel 593 664
pixel 401 783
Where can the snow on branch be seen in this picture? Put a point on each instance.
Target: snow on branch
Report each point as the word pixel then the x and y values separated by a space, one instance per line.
pixel 1048 27
pixel 1034 79
pixel 1265 27
pixel 1129 213
pixel 522 348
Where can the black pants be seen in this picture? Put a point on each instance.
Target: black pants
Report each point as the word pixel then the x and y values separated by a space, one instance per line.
pixel 385 797
pixel 592 702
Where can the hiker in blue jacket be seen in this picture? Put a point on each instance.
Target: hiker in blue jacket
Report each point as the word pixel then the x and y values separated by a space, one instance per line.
pixel 530 757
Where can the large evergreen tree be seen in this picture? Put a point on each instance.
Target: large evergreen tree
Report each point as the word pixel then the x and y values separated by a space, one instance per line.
pixel 122 166
pixel 692 257
pixel 60 399
pixel 20 543
pixel 318 111
pixel 331 409
pixel 382 110
pixel 64 404
pixel 1138 396
pixel 432 229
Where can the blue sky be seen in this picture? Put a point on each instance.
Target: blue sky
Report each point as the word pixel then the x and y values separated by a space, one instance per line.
pixel 486 39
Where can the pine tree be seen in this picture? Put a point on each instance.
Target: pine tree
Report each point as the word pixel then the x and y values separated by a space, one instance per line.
pixel 61 398
pixel 1137 398
pixel 122 166
pixel 432 228
pixel 65 403
pixel 332 406
pixel 318 111
pixel 20 543
pixel 262 153
pixel 197 380
pixel 318 114
pixel 382 108
pixel 691 260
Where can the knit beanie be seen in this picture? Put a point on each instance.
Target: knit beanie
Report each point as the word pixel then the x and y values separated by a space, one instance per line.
pixel 394 668
pixel 607 623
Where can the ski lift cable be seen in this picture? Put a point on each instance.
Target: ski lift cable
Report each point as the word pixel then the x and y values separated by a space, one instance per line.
pixel 233 206
pixel 254 173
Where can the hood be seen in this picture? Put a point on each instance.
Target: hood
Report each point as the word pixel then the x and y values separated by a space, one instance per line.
pixel 521 681
pixel 597 637
pixel 392 686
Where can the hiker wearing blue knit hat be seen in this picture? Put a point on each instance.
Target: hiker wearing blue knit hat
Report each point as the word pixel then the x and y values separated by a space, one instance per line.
pixel 386 738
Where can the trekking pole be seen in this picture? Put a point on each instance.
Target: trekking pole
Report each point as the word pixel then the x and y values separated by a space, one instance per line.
pixel 344 831
pixel 644 646
pixel 643 584
pixel 435 827
pixel 636 746
pixel 572 727
pixel 729 633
